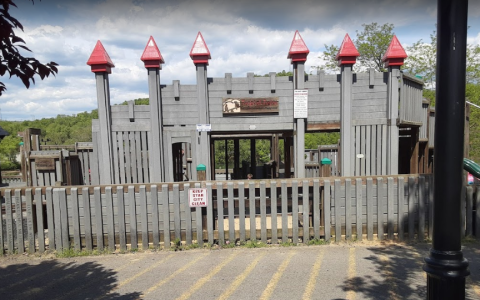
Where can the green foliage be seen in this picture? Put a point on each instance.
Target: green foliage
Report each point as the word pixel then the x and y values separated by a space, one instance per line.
pixel 57 131
pixel 139 101
pixel 473 95
pixel 317 242
pixel 6 165
pixel 253 244
pixel 313 140
pixel 372 43
pixel 9 148
pixel 12 62
pixel 422 60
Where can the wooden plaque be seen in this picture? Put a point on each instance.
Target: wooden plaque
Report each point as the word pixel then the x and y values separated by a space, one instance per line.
pixel 235 106
pixel 45 164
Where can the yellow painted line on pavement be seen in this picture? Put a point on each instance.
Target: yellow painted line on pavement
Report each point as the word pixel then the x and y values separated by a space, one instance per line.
pixel 130 279
pixel 352 271
pixel 240 278
pixel 84 286
pixel 267 293
pixel 313 276
pixel 162 282
pixel 205 279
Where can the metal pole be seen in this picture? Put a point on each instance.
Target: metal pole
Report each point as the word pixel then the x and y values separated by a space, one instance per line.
pixel 446 267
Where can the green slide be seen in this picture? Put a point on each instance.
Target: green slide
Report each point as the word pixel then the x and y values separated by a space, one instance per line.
pixel 472 167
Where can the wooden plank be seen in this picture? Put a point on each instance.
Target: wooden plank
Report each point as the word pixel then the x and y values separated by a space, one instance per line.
pixel 87 218
pixel 401 205
pixel 231 214
pixel 133 156
pixel 209 216
pixel 30 218
pixel 368 144
pixel 241 210
pixel 176 211
pixel 128 158
pixel 327 209
pixel 284 211
pixel 338 213
pixel 358 150
pixel 121 156
pixel 380 211
pixel 273 209
pixel 57 220
pixel 19 222
pixel 188 215
pixel 384 149
pixel 363 150
pixel 421 208
pixel 295 212
pixel 348 209
pixel 306 211
pixel 143 215
pixel 110 220
pixel 411 207
pixel 116 158
pixel 430 208
pixel 77 242
pixel 263 212
pixel 133 218
pixel 9 221
pixel 122 233
pixel 369 209
pixel 390 208
pixel 380 142
pixel 40 228
pixel 252 215
pixel 97 198
pixel 359 204
pixel 220 218
pixel 138 150
pixel 146 175
pixel 374 146
pixel 166 217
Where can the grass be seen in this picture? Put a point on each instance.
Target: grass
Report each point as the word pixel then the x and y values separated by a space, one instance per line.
pixel 77 253
pixel 253 244
pixel 317 242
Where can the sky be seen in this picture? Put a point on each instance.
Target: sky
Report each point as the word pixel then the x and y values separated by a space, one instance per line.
pixel 242 36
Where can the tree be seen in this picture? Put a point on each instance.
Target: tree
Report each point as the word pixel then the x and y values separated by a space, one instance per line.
pixel 422 61
pixel 9 147
pixel 11 60
pixel 372 43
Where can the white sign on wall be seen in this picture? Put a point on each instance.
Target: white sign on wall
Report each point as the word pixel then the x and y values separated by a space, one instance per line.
pixel 204 127
pixel 300 104
pixel 197 197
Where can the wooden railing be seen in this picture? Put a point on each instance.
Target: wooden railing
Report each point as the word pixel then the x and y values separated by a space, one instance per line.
pixel 410 109
pixel 273 211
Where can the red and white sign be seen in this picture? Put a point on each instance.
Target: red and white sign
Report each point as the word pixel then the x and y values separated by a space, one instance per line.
pixel 197 197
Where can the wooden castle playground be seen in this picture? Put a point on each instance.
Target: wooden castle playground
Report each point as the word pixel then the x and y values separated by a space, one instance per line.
pixel 130 185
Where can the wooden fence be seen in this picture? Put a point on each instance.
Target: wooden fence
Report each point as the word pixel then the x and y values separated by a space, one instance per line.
pixel 273 211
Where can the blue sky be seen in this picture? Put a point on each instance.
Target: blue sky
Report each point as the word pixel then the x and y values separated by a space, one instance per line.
pixel 243 36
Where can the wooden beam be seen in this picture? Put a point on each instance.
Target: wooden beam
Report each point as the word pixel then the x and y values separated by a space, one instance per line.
pixel 323 126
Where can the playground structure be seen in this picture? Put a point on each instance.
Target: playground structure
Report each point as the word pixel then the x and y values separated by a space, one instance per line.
pixel 136 167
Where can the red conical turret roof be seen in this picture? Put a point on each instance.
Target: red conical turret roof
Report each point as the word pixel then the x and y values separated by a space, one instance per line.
pixel 151 57
pixel 298 49
pixel 100 60
pixel 395 54
pixel 348 53
pixel 200 53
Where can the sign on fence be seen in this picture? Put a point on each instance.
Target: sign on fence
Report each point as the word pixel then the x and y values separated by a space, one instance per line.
pixel 197 197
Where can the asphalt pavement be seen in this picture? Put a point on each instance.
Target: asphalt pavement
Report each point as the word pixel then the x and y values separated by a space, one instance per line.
pixel 336 271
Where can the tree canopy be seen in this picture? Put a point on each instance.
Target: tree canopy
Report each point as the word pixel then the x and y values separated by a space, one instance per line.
pixel 371 42
pixel 12 62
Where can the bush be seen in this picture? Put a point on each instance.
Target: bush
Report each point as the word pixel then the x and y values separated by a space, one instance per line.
pixel 9 165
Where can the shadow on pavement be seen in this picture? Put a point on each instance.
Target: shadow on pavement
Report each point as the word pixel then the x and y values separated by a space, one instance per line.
pixel 56 280
pixel 399 272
